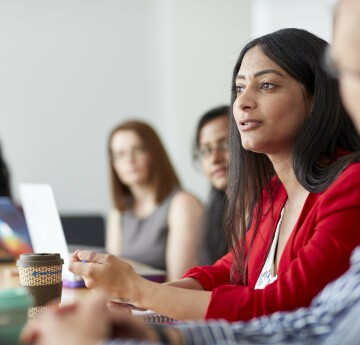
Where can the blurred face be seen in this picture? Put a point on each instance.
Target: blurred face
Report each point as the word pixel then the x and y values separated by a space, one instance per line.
pixel 130 158
pixel 345 54
pixel 213 149
pixel 270 106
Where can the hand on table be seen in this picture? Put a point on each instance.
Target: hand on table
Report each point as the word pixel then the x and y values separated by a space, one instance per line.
pixel 86 322
pixel 107 272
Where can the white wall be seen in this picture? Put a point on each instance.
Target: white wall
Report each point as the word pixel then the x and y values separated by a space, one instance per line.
pixel 206 39
pixel 71 69
pixel 271 15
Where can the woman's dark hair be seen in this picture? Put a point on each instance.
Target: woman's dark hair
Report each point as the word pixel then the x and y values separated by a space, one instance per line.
pixel 162 174
pixel 4 178
pixel 315 162
pixel 213 242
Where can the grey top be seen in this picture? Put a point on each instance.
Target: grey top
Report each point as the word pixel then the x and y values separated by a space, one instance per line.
pixel 144 239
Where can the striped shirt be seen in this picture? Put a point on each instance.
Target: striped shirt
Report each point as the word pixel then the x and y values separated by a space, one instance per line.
pixel 333 318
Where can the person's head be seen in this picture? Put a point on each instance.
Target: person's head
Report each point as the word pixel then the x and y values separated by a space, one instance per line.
pixel 211 145
pixel 138 158
pixel 343 58
pixel 5 189
pixel 281 91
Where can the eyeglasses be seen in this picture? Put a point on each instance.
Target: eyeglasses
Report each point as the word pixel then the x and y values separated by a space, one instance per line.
pixel 331 67
pixel 208 150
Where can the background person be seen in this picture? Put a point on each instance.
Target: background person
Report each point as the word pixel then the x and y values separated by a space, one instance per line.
pixel 153 220
pixel 344 56
pixel 211 151
pixel 5 189
pixel 291 155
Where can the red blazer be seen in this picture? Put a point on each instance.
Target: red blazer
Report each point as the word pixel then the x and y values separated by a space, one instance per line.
pixel 318 251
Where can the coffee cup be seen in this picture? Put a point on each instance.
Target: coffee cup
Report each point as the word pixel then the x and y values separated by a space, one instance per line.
pixel 14 304
pixel 40 274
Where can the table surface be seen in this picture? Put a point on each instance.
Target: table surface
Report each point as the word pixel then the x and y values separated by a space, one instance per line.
pixel 9 278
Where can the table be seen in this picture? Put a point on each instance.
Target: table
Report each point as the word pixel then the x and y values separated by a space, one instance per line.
pixel 10 279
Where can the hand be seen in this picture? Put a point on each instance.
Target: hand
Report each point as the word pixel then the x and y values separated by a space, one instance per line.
pixel 109 273
pixel 132 328
pixel 86 322
pixel 83 323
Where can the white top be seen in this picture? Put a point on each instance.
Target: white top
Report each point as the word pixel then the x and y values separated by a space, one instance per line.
pixel 266 277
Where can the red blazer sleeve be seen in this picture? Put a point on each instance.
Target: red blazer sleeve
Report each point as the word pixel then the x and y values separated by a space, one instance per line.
pixel 211 277
pixel 317 252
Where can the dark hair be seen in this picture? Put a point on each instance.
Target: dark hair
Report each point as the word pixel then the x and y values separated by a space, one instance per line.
pixel 213 242
pixel 162 173
pixel 5 189
pixel 222 110
pixel 315 160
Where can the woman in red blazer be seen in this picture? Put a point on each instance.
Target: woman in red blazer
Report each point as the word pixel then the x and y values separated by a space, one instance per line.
pixel 293 192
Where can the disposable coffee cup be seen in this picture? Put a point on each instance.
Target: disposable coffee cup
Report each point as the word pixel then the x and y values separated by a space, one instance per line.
pixel 14 304
pixel 40 274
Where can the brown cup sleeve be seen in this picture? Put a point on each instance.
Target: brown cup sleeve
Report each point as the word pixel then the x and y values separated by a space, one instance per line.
pixel 45 293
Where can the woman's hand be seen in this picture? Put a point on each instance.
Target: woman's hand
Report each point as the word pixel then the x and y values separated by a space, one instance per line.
pixel 119 280
pixel 109 273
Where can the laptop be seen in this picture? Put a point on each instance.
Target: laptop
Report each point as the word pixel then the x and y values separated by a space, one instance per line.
pixel 14 235
pixel 45 229
pixel 47 235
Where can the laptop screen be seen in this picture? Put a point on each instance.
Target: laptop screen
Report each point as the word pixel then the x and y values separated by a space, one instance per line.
pixel 43 220
pixel 14 234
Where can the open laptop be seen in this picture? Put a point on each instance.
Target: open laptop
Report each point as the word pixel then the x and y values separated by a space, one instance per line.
pixel 45 229
pixel 47 235
pixel 14 235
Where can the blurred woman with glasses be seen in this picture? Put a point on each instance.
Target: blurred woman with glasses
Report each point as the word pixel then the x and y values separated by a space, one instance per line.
pixel 153 220
pixel 211 152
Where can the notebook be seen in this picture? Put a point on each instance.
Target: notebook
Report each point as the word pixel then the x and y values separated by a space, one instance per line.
pixel 149 316
pixel 14 235
pixel 45 229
